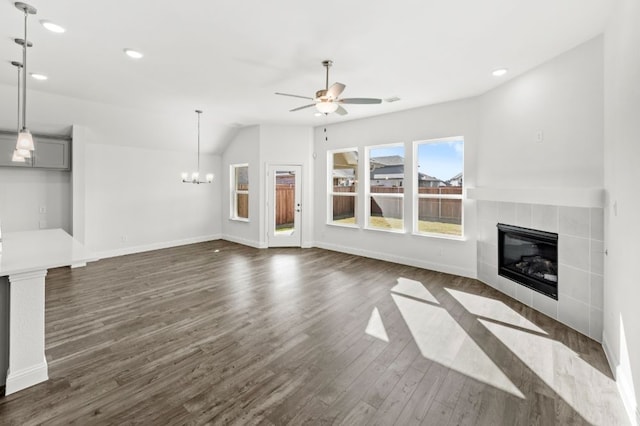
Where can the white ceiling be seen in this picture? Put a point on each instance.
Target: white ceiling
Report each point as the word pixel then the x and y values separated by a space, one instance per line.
pixel 229 57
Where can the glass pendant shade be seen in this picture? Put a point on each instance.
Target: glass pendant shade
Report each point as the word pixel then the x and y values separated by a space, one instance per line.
pixel 25 140
pixel 209 177
pixel 24 153
pixel 17 158
pixel 326 107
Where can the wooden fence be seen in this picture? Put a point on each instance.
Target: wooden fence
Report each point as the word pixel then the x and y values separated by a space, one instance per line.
pixel 429 209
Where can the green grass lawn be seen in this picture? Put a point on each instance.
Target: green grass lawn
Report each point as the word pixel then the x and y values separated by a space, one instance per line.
pixel 423 225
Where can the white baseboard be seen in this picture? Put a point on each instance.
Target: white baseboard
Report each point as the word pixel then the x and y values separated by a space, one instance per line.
pixel 16 381
pixel 244 241
pixel 155 246
pixel 625 384
pixel 418 263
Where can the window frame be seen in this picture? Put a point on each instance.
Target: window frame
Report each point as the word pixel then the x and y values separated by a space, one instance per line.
pixel 368 193
pixel 234 192
pixel 331 193
pixel 417 195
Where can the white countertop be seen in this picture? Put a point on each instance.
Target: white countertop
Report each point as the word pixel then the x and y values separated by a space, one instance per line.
pixel 37 250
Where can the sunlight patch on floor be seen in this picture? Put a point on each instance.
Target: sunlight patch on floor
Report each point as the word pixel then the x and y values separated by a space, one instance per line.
pixel 492 309
pixel 415 289
pixel 563 370
pixel 440 338
pixel 375 327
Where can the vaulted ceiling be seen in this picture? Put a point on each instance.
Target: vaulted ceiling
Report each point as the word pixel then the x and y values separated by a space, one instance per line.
pixel 229 57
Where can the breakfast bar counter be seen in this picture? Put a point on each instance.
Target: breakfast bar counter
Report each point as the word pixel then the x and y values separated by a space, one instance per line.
pixel 25 258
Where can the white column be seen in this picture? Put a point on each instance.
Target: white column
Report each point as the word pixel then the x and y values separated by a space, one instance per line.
pixel 27 362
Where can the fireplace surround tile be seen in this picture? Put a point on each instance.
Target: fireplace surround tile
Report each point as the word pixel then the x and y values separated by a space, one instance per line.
pixel 574 282
pixel 574 313
pixel 524 295
pixel 523 215
pixel 506 212
pixel 597 224
pixel 597 291
pixel 574 221
pixel 580 260
pixel 573 251
pixel 597 257
pixel 595 324
pixel 544 218
pixel 545 304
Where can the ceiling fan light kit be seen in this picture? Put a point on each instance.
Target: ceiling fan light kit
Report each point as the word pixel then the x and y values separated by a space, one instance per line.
pixel 328 100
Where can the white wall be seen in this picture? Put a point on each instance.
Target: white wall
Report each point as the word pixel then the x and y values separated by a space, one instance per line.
pixel 292 146
pixel 142 204
pixel 622 223
pixel 563 98
pixel 259 146
pixel 458 118
pixel 24 191
pixel 243 149
pixel 126 175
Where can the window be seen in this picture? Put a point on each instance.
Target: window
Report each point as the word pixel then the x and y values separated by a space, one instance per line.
pixel 438 186
pixel 239 191
pixel 385 195
pixel 343 187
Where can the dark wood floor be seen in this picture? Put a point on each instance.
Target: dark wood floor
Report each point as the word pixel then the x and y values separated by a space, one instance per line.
pixel 221 333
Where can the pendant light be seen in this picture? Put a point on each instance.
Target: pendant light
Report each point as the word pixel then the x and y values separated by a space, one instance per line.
pixel 19 155
pixel 195 176
pixel 25 140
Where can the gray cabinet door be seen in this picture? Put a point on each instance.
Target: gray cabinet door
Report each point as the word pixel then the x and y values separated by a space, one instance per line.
pixel 51 154
pixel 7 145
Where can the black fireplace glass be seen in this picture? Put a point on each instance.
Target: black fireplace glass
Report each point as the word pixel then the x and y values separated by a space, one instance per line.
pixel 529 257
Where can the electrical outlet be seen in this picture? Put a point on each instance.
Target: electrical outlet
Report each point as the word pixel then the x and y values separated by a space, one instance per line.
pixel 43 209
pixel 124 238
pixel 539 136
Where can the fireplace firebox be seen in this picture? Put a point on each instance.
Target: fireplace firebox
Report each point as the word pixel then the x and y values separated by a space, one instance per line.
pixel 529 257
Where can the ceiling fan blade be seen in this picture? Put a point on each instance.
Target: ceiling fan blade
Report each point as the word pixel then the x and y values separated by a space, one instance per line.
pixel 341 111
pixel 334 91
pixel 302 107
pixel 360 101
pixel 293 96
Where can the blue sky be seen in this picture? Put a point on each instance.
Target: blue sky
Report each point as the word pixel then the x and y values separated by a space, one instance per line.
pixel 442 160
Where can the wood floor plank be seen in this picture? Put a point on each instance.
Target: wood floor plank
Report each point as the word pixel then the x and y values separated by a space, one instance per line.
pixel 220 333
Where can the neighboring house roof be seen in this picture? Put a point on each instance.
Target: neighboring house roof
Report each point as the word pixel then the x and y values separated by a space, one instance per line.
pixel 390 160
pixel 423 176
pixel 456 177
pixel 385 172
pixel 343 173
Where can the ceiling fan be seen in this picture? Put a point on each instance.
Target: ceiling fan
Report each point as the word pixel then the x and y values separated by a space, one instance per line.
pixel 327 100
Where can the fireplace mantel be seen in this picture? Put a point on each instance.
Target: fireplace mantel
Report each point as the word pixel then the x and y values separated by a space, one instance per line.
pixel 569 197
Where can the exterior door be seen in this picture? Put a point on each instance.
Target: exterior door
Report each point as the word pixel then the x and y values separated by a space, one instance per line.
pixel 284 206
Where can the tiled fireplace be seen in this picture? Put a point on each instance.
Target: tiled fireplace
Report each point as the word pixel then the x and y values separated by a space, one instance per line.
pixel 580 259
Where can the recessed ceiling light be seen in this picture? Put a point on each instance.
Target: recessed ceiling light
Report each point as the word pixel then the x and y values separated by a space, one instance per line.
pixel 53 27
pixel 318 114
pixel 133 53
pixel 499 72
pixel 38 76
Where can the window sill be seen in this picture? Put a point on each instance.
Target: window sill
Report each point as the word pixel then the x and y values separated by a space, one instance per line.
pixel 440 236
pixel 239 219
pixel 391 231
pixel 344 225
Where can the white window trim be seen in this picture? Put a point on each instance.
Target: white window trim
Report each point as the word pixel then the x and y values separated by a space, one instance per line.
pixel 417 196
pixel 233 213
pixel 331 193
pixel 367 189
